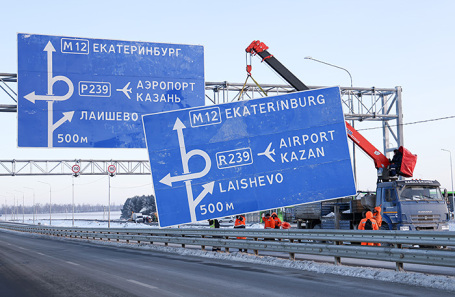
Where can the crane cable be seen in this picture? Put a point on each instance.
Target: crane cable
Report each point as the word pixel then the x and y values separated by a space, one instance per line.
pixel 248 75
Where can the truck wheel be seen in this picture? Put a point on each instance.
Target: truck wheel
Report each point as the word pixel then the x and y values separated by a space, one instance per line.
pixel 384 227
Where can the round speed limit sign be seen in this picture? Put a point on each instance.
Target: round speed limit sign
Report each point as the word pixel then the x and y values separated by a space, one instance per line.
pixel 111 169
pixel 76 168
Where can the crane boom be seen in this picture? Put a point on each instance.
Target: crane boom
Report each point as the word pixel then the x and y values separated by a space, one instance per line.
pixel 259 48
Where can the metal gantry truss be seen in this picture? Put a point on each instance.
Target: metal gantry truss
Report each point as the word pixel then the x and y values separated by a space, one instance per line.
pixel 359 104
pixel 65 167
pixel 5 81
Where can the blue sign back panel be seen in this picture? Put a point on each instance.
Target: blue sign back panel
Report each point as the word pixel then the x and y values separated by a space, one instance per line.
pixel 247 156
pixel 81 92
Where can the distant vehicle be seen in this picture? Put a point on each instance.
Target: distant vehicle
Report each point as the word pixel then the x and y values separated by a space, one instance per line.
pixel 229 219
pixel 137 217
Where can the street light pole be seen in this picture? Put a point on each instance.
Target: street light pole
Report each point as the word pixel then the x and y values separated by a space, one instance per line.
pixel 34 209
pixel 73 176
pixel 4 207
pixel 109 202
pixel 352 106
pixel 14 205
pixel 50 201
pixel 316 60
pixel 23 201
pixel 451 172
pixel 73 198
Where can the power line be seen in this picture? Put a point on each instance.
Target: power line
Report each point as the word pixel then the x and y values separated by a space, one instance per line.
pixel 131 187
pixel 412 123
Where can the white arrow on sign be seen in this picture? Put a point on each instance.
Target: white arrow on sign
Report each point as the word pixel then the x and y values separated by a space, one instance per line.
pixel 187 177
pixel 168 179
pixel 208 189
pixel 67 116
pixel 49 49
pixel 50 97
pixel 51 80
pixel 32 97
pixel 179 126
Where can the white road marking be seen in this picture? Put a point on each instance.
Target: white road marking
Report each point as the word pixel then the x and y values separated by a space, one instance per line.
pixel 72 263
pixel 141 284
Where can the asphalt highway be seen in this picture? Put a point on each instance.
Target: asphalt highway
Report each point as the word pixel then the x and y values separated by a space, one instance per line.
pixel 36 266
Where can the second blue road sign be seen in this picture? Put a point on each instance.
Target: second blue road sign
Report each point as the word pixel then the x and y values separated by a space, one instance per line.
pixel 246 156
pixel 81 92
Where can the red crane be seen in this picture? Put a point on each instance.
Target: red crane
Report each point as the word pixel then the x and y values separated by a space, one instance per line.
pixel 380 160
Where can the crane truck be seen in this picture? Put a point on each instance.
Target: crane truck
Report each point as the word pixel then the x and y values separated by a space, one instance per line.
pixel 405 204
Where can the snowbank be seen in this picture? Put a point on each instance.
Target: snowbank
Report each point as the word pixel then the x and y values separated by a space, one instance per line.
pixel 412 278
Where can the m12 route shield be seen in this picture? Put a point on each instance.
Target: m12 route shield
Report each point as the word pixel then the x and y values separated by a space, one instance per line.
pixel 248 156
pixel 82 92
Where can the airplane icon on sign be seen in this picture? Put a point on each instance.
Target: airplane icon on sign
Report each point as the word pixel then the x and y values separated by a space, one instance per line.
pixel 268 153
pixel 125 90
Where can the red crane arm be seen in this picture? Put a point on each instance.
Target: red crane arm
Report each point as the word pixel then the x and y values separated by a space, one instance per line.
pixel 380 160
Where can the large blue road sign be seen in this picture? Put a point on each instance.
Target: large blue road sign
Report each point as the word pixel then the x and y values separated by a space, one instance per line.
pixel 248 156
pixel 81 92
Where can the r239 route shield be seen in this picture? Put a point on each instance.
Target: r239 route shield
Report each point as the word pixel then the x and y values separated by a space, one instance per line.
pixel 248 156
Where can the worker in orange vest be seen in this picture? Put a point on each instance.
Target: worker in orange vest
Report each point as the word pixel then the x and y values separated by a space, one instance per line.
pixel 277 220
pixel 377 215
pixel 239 221
pixel 240 224
pixel 269 222
pixel 368 223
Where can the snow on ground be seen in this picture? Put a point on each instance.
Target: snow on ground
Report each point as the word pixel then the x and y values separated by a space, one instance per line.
pixel 127 224
pixel 84 223
pixel 90 224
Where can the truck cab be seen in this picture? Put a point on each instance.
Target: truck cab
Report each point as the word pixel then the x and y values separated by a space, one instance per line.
pixel 412 205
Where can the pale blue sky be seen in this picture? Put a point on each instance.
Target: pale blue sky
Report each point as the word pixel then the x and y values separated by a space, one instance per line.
pixel 382 44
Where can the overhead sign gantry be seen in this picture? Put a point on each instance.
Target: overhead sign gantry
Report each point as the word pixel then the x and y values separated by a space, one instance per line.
pixel 247 156
pixel 82 92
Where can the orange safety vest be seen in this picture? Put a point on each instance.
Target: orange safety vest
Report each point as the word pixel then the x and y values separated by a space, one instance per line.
pixel 369 216
pixel 277 220
pixel 377 216
pixel 269 223
pixel 239 222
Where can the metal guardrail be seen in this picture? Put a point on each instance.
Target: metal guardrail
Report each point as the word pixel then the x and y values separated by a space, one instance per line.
pixel 397 245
